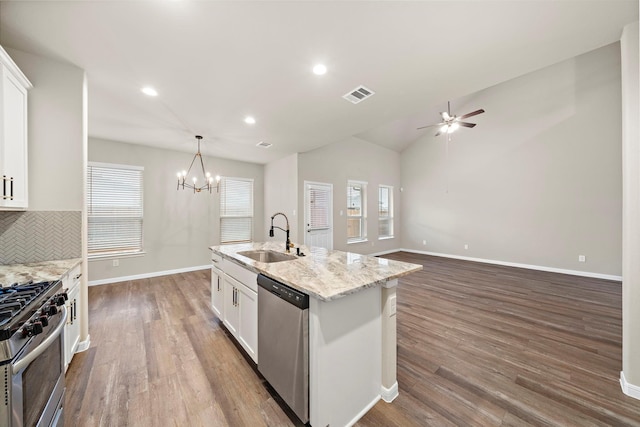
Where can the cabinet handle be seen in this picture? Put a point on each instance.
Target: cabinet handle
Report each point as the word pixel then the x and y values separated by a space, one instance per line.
pixel 78 276
pixel 218 282
pixel 11 181
pixel 75 309
pixel 4 187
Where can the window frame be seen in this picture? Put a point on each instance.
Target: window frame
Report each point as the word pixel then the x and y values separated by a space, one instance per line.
pixel 100 254
pixel 389 216
pixel 251 217
pixel 363 211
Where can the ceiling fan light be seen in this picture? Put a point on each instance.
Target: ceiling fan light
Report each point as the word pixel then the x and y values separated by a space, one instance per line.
pixel 453 127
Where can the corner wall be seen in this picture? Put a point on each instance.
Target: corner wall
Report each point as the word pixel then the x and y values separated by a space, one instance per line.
pixel 353 159
pixel 537 182
pixel 281 195
pixel 179 226
pixel 630 375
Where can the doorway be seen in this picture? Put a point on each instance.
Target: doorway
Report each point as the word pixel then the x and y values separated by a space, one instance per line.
pixel 318 218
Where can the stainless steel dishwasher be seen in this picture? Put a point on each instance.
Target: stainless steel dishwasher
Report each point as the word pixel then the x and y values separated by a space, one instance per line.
pixel 283 342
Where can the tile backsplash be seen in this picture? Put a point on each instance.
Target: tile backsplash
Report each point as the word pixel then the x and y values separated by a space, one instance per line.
pixel 35 236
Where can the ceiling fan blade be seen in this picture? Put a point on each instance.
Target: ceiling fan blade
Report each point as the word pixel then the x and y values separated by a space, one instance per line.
pixel 467 125
pixel 471 114
pixel 430 126
pixel 438 133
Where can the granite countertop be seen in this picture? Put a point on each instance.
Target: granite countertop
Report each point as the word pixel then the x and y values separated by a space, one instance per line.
pixel 323 274
pixel 44 271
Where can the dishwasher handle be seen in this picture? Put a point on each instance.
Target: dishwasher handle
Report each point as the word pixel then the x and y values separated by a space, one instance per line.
pixel 284 292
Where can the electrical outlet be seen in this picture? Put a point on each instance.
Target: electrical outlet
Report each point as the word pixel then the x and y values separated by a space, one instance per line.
pixel 582 258
pixel 424 242
pixel 116 262
pixel 466 247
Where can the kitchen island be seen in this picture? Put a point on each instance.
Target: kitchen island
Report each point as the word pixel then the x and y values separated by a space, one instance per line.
pixel 352 324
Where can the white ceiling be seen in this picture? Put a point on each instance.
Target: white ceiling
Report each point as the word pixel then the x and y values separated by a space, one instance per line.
pixel 215 62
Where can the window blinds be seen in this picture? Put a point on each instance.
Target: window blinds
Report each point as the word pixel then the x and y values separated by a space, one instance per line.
pixel 236 210
pixel 114 204
pixel 318 208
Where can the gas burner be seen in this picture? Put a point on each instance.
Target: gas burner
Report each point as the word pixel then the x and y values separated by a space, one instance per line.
pixel 17 299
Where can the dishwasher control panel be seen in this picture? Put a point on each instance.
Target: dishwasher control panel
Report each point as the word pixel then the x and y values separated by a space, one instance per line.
pixel 284 292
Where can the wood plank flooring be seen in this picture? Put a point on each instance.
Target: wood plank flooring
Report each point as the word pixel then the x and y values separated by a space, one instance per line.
pixel 478 345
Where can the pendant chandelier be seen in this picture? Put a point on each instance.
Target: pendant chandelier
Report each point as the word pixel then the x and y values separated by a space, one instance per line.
pixel 186 181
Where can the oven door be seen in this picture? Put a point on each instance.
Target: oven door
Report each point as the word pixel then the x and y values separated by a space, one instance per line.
pixel 37 389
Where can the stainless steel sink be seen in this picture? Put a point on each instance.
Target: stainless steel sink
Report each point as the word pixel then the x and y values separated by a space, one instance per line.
pixel 267 256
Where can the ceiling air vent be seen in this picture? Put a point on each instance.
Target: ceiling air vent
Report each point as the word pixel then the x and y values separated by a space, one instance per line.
pixel 263 144
pixel 358 94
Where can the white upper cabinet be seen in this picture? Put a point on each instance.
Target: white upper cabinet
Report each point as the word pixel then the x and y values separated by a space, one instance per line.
pixel 13 135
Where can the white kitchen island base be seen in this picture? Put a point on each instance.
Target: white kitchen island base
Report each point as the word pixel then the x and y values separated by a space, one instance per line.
pixel 350 351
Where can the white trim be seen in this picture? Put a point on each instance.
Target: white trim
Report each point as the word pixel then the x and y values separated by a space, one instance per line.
pixel 6 60
pixel 363 412
pixel 84 345
pixel 628 388
pixel 147 275
pixel 389 394
pixel 515 264
pixel 390 251
pixel 115 166
pixel 506 263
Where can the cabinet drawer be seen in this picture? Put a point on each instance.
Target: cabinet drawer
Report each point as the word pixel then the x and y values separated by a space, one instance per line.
pixel 216 259
pixel 241 274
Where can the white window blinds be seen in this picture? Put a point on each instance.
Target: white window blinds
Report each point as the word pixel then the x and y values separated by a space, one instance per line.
pixel 236 210
pixel 114 205
pixel 385 211
pixel 318 207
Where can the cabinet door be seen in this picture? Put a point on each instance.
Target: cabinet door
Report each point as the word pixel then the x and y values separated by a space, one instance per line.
pixel 231 313
pixel 72 328
pixel 13 142
pixel 248 332
pixel 217 293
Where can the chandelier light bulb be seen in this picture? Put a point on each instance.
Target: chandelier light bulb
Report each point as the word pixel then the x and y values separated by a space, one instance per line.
pixel 179 175
pixel 208 175
pixel 217 178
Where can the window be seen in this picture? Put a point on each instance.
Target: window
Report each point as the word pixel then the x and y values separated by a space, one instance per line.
pixel 114 204
pixel 356 211
pixel 236 210
pixel 385 212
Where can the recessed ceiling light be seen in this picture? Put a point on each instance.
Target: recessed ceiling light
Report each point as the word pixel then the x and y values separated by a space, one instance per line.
pixel 264 144
pixel 148 90
pixel 319 69
pixel 250 120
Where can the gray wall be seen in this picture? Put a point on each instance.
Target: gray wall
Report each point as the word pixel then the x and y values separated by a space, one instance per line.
pixel 179 226
pixel 281 195
pixel 353 159
pixel 537 182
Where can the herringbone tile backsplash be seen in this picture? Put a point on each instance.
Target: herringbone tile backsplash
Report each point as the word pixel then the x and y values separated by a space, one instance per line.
pixel 35 236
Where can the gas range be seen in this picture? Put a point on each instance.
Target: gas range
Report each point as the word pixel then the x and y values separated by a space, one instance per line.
pixel 25 310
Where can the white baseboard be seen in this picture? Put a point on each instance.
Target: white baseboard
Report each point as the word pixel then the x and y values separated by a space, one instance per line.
pixel 147 275
pixel 389 394
pixel 385 252
pixel 83 345
pixel 515 264
pixel 628 388
pixel 364 411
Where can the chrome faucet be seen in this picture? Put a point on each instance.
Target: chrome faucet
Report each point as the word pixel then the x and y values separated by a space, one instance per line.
pixel 288 243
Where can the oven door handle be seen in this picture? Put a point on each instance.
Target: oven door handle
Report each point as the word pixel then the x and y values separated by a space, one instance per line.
pixel 24 362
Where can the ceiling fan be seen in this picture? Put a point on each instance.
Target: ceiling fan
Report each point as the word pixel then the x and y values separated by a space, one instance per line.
pixel 450 123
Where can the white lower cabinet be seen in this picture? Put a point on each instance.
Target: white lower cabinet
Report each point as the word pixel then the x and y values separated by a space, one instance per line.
pixel 241 314
pixel 234 299
pixel 217 292
pixel 71 285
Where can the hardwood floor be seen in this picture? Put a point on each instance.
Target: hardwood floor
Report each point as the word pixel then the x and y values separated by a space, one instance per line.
pixel 478 345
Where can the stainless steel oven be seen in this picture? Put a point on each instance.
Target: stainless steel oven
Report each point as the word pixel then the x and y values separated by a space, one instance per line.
pixel 33 368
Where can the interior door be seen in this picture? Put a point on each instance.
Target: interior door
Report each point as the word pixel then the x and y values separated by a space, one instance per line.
pixel 318 208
